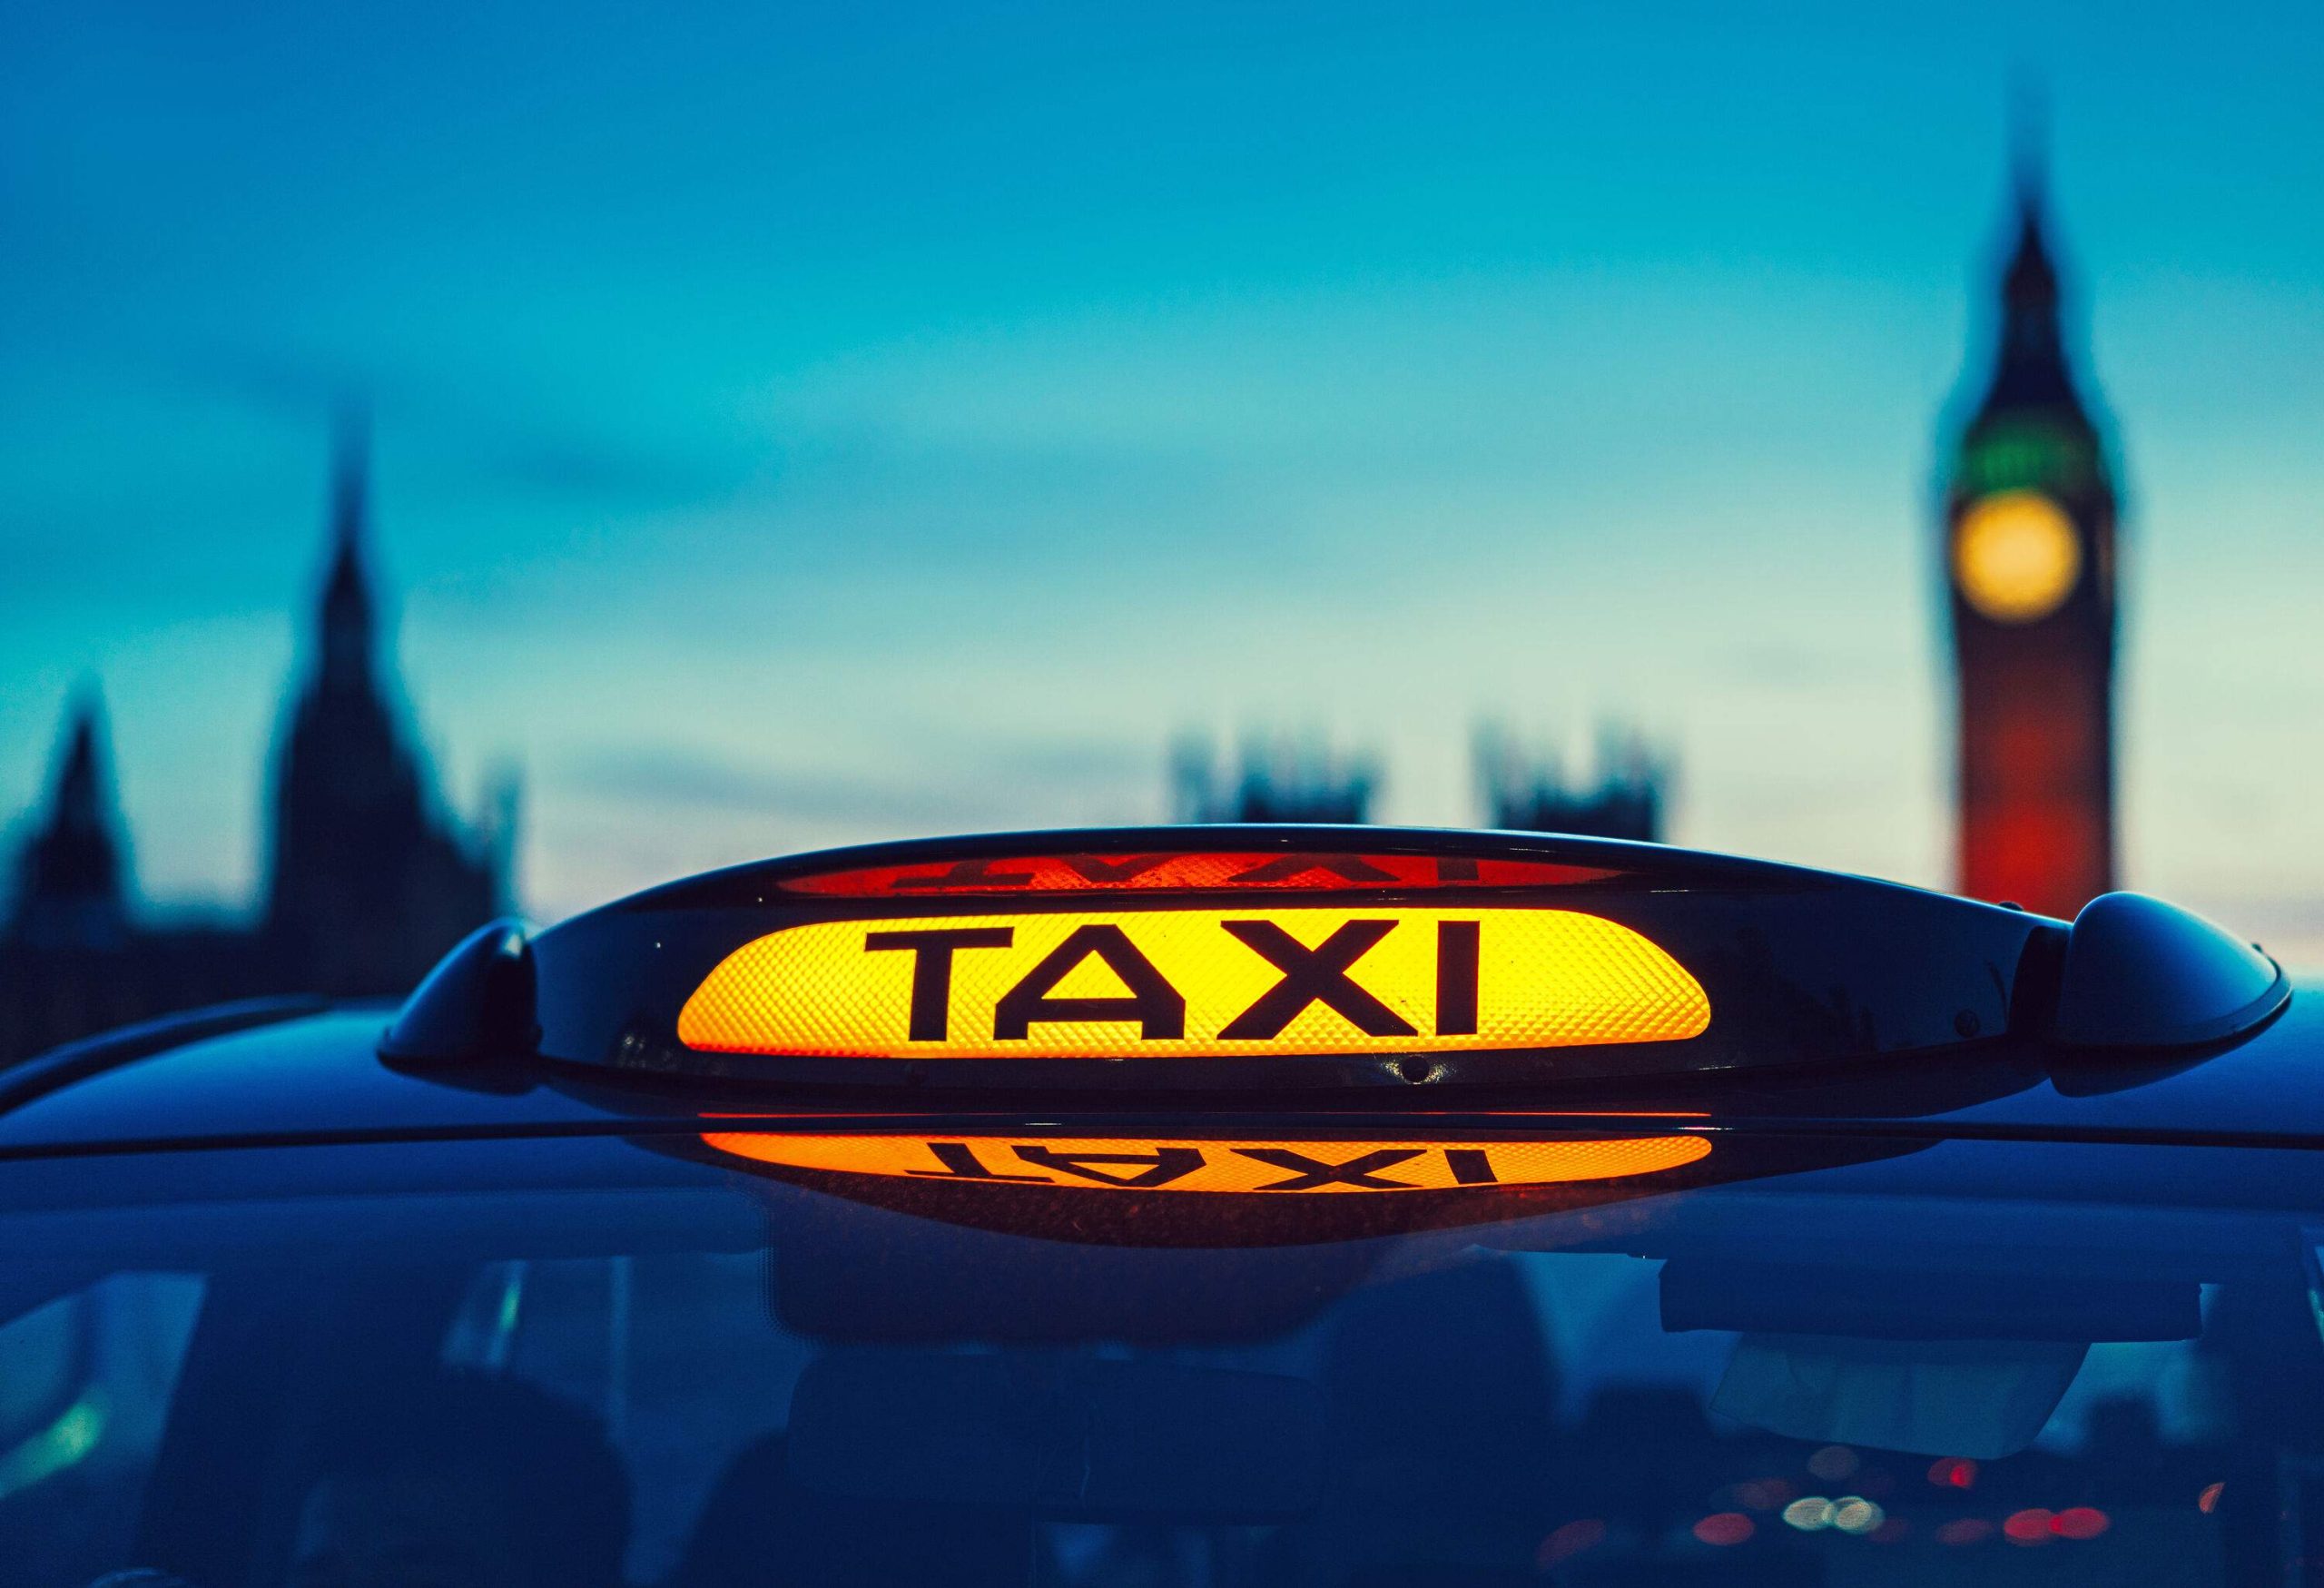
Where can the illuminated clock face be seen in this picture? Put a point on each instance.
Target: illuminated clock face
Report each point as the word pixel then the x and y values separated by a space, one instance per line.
pixel 2016 556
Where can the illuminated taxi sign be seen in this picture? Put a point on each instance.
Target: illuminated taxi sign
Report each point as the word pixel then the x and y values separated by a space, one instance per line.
pixel 1134 960
pixel 1101 984
pixel 1231 1166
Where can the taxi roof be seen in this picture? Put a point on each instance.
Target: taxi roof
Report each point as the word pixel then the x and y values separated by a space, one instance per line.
pixel 292 1073
pixel 1717 995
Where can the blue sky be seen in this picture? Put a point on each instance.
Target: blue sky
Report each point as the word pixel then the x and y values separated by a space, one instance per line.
pixel 800 425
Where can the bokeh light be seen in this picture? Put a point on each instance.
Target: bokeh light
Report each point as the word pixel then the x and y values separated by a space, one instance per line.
pixel 1833 1462
pixel 1809 1513
pixel 1853 1514
pixel 2029 1526
pixel 1570 1540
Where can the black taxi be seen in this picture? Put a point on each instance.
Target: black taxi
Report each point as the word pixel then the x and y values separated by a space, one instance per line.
pixel 1202 1206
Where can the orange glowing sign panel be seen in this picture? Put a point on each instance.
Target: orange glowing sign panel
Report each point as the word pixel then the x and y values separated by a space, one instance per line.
pixel 1159 983
pixel 1305 871
pixel 1146 1164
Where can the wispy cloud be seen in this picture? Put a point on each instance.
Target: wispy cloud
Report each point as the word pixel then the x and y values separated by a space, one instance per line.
pixel 475 434
pixel 996 784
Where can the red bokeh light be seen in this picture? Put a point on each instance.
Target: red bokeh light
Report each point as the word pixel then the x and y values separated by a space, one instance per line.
pixel 1952 1472
pixel 1764 1494
pixel 1568 1541
pixel 2207 1501
pixel 2031 1526
pixel 1723 1528
pixel 2079 1522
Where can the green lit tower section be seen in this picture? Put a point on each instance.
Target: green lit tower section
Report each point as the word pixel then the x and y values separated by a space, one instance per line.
pixel 2029 562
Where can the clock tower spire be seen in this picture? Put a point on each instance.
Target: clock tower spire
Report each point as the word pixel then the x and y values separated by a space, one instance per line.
pixel 2029 560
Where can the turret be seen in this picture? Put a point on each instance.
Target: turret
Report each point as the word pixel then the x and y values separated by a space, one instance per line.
pixel 71 889
pixel 348 635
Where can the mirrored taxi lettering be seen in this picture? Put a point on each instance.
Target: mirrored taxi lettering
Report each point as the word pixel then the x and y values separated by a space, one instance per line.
pixel 1236 1166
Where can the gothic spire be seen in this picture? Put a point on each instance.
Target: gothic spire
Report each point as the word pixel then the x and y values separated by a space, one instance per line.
pixel 70 883
pixel 349 615
pixel 2032 369
pixel 80 798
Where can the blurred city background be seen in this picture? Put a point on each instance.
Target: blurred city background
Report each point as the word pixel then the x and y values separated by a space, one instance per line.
pixel 459 457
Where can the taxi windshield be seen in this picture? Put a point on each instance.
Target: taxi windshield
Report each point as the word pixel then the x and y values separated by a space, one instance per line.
pixel 712 1362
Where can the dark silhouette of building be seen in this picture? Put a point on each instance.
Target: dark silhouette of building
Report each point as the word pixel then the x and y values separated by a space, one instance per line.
pixel 69 891
pixel 1530 793
pixel 1274 780
pixel 1283 779
pixel 368 881
pixel 2029 553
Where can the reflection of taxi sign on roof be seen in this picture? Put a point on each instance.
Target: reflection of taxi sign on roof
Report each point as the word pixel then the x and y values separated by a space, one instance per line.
pixel 1113 984
pixel 1233 958
pixel 1184 1176
pixel 1221 1166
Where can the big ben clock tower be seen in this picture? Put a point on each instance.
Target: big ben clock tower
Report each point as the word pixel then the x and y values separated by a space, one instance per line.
pixel 2029 570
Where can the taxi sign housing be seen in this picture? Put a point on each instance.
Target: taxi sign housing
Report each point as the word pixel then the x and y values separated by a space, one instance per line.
pixel 1308 958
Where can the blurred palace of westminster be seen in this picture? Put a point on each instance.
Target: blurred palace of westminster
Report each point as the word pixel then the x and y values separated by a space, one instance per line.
pixel 368 880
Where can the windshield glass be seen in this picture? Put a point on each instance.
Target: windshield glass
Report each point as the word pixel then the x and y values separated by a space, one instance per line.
pixel 692 1362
